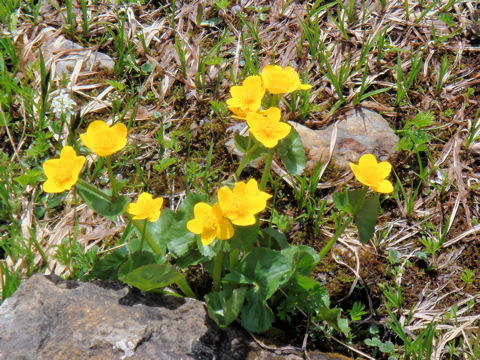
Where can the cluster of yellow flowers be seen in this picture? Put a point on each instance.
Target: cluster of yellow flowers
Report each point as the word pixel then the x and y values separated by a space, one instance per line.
pixel 238 207
pixel 246 100
pixel 102 140
pixel 234 207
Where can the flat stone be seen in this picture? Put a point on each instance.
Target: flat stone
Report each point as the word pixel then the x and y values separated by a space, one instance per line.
pixel 65 55
pixel 360 131
pixel 49 318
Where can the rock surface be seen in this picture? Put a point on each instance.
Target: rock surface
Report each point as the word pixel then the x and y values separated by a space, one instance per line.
pixel 65 55
pixel 359 132
pixel 49 318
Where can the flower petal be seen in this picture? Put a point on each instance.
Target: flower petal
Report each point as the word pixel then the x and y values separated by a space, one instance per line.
pixel 207 237
pixel 384 168
pixel 195 226
pixel 385 187
pixel 50 186
pixel 225 229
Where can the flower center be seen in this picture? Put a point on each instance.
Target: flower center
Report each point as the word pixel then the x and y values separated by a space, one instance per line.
pixel 64 174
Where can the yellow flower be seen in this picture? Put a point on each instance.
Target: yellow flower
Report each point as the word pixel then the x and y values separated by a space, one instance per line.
pixel 241 204
pixel 373 174
pixel 247 97
pixel 146 207
pixel 209 223
pixel 104 140
pixel 267 128
pixel 62 173
pixel 282 81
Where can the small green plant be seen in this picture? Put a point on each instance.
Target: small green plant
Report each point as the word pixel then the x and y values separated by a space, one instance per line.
pixel 467 276
pixel 357 311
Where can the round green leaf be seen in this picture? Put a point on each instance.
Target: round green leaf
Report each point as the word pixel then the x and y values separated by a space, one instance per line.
pixel 292 153
pixel 101 202
pixel 224 306
pixel 152 276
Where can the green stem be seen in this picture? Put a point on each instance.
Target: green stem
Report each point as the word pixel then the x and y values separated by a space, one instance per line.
pixel 217 268
pixel 89 187
pixel 275 100
pixel 245 158
pixel 186 289
pixel 112 178
pixel 266 170
pixel 143 234
pixel 148 238
pixel 342 228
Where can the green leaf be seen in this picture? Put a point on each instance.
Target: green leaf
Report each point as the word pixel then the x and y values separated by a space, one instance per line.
pixel 156 232
pixel 266 269
pixel 107 267
pixel 386 347
pixel 405 144
pixel 311 286
pixel 170 230
pixel 347 200
pixel 224 306
pixel 291 152
pixel 138 259
pixel 244 237
pixel 366 218
pixel 256 315
pixel 302 258
pixel 179 238
pixel 332 317
pixel 278 240
pixel 241 142
pixel 30 177
pixel 152 276
pixel 100 201
pixel 193 257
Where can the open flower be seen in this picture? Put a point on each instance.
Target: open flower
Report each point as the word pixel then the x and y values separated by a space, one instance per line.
pixel 373 174
pixel 282 81
pixel 242 203
pixel 267 127
pixel 62 173
pixel 146 207
pixel 247 97
pixel 209 223
pixel 104 140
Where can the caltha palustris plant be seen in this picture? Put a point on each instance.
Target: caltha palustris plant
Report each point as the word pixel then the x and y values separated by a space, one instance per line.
pixel 256 273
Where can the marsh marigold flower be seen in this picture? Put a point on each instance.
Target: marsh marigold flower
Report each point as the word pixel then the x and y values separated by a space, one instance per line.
pixel 242 203
pixel 247 97
pixel 267 128
pixel 104 140
pixel 373 174
pixel 209 223
pixel 146 207
pixel 282 81
pixel 62 173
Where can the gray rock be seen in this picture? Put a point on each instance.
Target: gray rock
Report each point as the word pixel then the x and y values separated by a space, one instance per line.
pixel 359 132
pixel 49 318
pixel 65 55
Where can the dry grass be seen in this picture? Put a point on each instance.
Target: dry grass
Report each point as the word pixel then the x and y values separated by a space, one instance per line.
pixel 280 34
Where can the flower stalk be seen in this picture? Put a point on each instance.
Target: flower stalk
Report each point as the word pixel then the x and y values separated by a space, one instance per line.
pixel 244 162
pixel 112 178
pixel 217 268
pixel 266 170
pixel 339 231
